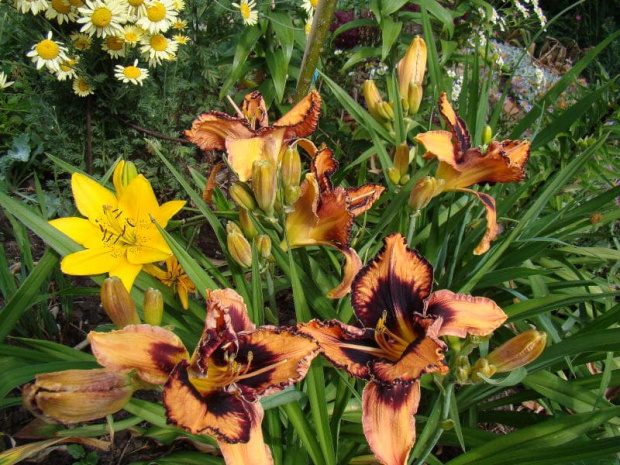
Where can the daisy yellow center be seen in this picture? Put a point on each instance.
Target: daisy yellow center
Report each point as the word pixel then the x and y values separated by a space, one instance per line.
pixel 131 37
pixel 245 10
pixel 314 3
pixel 156 13
pixel 132 72
pixel 158 43
pixel 83 86
pixel 76 3
pixel 48 49
pixel 81 44
pixel 135 2
pixel 61 7
pixel 101 17
pixel 67 66
pixel 114 43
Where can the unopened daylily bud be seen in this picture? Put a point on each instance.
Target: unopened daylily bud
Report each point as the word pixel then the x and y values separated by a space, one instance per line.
pixel 291 167
pixel 387 110
pixel 487 134
pixel 373 100
pixel 263 245
pixel 462 375
pixel 238 246
pixel 414 97
pixel 265 184
pixel 518 351
pixel 242 195
pixel 291 194
pixel 412 66
pixel 74 396
pixel 423 192
pixel 394 174
pixel 153 307
pixel 482 367
pixel 124 173
pixel 247 225
pixel 117 303
pixel 401 158
pixel 404 179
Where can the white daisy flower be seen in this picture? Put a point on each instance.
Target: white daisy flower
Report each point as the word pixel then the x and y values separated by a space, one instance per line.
pixel 310 5
pixel 179 5
pixel 115 46
pixel 157 47
pixel 181 39
pixel 132 73
pixel 81 41
pixel 132 34
pixel 3 82
pixel 308 26
pixel 247 11
pixel 31 6
pixel 159 16
pixel 62 11
pixel 103 17
pixel 48 53
pixel 82 88
pixel 67 69
pixel 179 24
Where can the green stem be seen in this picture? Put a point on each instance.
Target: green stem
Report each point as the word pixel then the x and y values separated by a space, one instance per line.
pixel 320 26
pixel 445 410
pixel 412 221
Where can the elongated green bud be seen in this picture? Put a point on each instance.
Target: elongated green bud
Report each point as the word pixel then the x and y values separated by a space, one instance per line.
pixel 242 195
pixel 394 174
pixel 291 167
pixel 238 246
pixel 247 225
pixel 414 97
pixel 487 134
pixel 265 184
pixel 423 192
pixel 373 101
pixel 291 194
pixel 401 158
pixel 153 307
pixel 263 245
pixel 117 303
pixel 518 351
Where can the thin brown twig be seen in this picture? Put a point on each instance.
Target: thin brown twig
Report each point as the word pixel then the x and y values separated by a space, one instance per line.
pixel 151 133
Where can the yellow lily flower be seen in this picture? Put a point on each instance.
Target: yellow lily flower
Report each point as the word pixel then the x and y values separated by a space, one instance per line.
pixel 174 277
pixel 118 232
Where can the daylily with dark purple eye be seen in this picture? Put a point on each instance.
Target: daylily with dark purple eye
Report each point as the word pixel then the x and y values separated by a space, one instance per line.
pixel 216 390
pixel 249 137
pixel 462 166
pixel 399 340
pixel 323 215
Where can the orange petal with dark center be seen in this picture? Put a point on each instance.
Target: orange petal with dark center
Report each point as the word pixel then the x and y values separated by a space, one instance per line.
pixel 352 265
pixel 218 413
pixel 276 359
pixel 388 420
pixel 464 314
pixel 302 220
pixel 457 126
pixel 225 307
pixel 150 350
pixel 210 130
pixel 491 213
pixel 335 220
pixel 347 347
pixel 395 283
pixel 303 119
pixel 255 110
pixel 438 144
pixel 255 451
pixel 323 166
pixel 362 198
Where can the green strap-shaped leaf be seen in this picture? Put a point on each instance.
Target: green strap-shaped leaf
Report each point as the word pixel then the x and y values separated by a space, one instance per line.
pixel 246 43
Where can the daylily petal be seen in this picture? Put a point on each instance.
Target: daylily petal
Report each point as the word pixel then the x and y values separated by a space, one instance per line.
pixel 462 139
pixel 210 130
pixel 424 355
pixel 150 350
pixel 438 144
pixel 388 420
pixel 255 110
pixel 218 413
pixel 303 119
pixel 363 197
pixel 335 220
pixel 464 314
pixel 167 211
pixel 347 347
pixel 351 267
pixel 301 221
pixel 139 203
pixel 90 196
pixel 255 451
pixel 93 261
pixel 126 272
pixel 80 230
pixel 276 357
pixel 242 153
pixel 491 213
pixel 395 283
pixel 141 254
pixel 225 307
pixel 323 166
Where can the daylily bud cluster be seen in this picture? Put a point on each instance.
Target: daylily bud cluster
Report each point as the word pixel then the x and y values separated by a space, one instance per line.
pixel 120 308
pixel 411 71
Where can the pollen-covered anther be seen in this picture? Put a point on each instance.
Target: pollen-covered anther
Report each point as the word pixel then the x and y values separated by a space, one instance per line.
pixel 390 343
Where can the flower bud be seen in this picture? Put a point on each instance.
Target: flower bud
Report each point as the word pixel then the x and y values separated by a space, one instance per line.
pixel 373 101
pixel 487 134
pixel 265 184
pixel 394 174
pixel 518 351
pixel 412 66
pixel 401 158
pixel 242 195
pixel 247 225
pixel 291 167
pixel 153 307
pixel 117 303
pixel 404 179
pixel 423 191
pixel 462 375
pixel 263 245
pixel 414 97
pixel 124 173
pixel 482 367
pixel 291 194
pixel 74 396
pixel 238 246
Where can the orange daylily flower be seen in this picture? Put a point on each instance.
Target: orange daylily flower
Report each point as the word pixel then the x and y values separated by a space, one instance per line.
pixel 248 137
pixel 399 341
pixel 323 215
pixel 174 277
pixel 461 165
pixel 216 390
